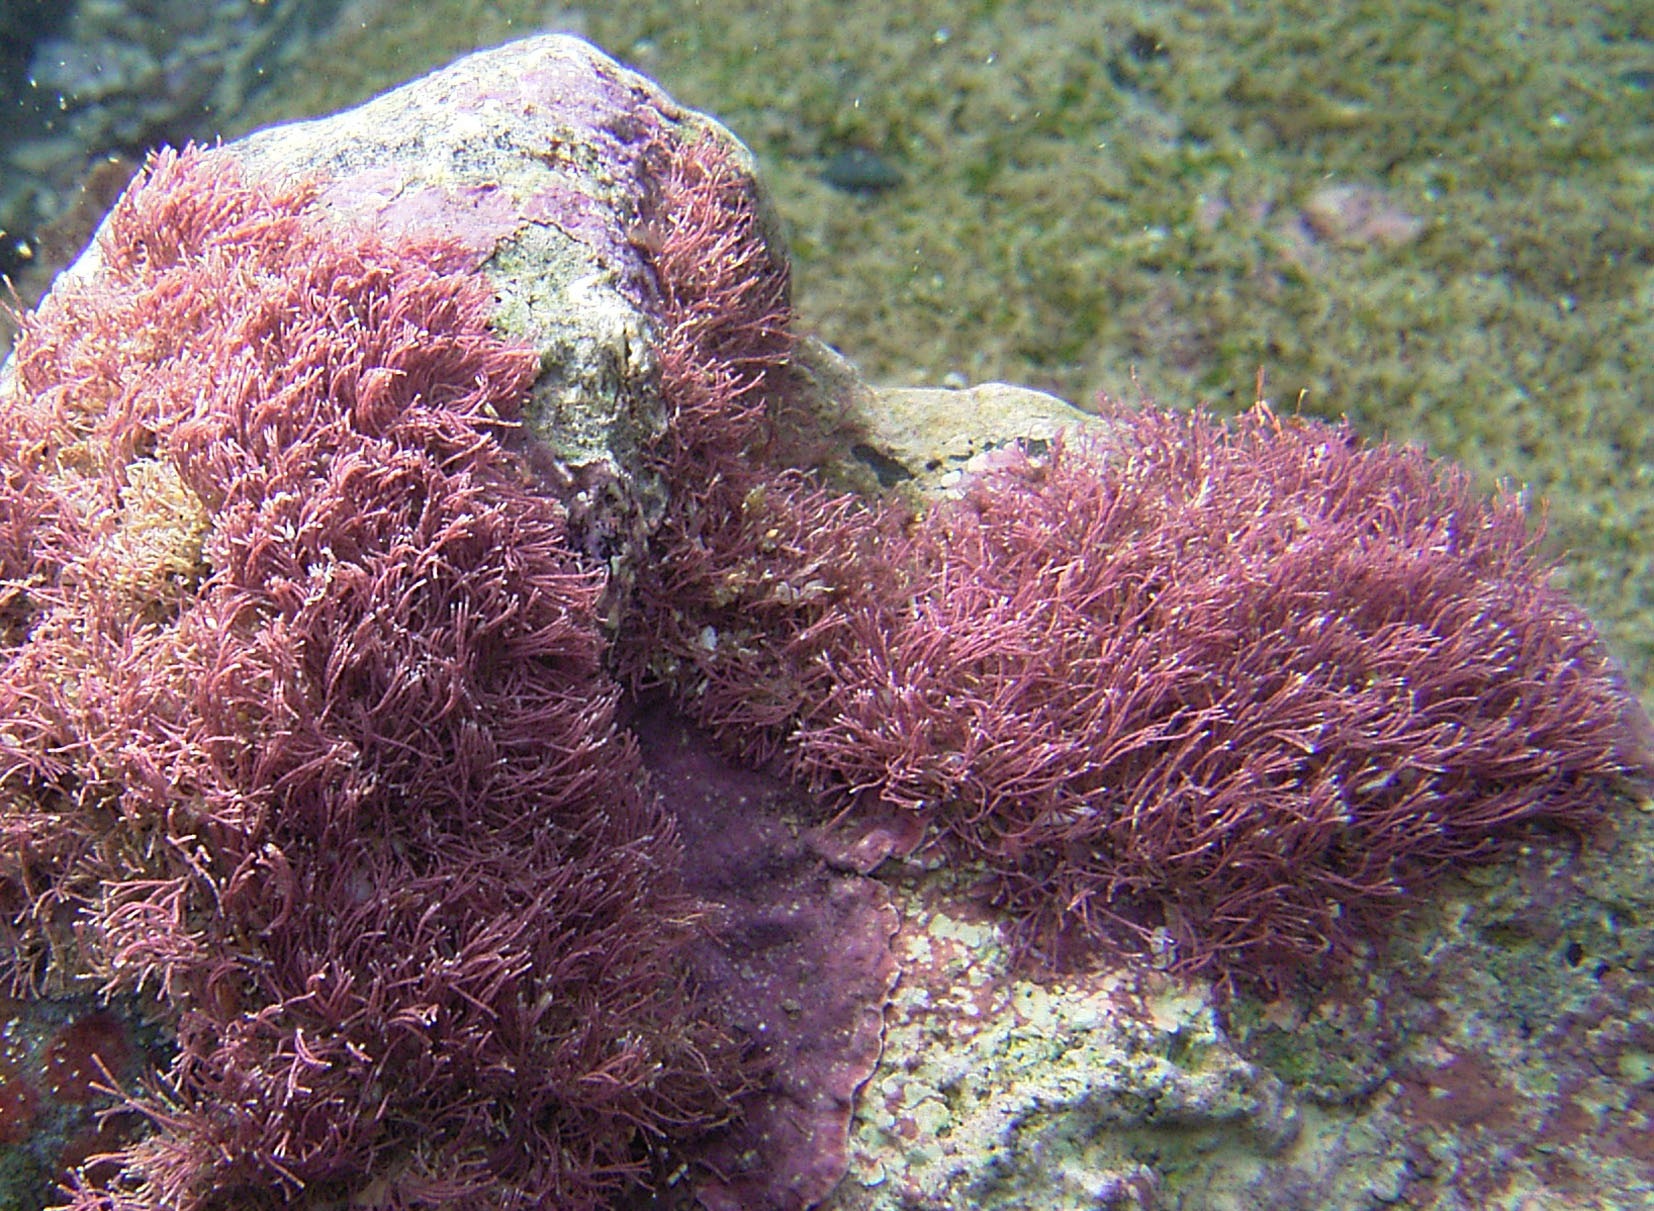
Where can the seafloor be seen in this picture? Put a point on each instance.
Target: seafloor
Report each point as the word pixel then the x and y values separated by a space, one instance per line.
pixel 1429 217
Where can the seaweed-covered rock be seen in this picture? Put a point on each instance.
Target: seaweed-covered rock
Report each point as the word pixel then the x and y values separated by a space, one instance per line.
pixel 364 470
pixel 538 166
pixel 308 748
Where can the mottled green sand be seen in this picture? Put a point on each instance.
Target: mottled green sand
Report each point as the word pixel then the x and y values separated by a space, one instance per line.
pixel 1115 201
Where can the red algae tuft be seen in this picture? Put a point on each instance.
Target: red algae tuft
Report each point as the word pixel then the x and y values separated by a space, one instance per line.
pixel 1233 696
pixel 304 728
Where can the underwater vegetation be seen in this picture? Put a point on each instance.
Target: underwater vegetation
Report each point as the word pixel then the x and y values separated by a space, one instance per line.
pixel 306 730
pixel 310 724
pixel 1228 694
